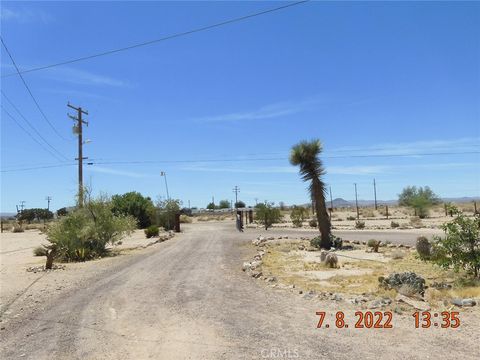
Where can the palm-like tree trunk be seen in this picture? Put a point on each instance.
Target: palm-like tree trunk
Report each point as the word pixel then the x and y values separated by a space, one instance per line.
pixel 323 220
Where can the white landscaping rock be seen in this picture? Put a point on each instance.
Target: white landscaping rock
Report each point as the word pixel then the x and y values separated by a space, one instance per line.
pixel 246 266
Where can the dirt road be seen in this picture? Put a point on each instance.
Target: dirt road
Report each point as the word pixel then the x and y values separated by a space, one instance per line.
pixel 187 298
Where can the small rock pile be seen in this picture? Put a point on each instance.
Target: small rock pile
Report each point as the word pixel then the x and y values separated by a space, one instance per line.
pixel 397 280
pixel 36 269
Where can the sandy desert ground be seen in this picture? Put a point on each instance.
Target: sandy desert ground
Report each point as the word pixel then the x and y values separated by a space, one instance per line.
pixel 188 298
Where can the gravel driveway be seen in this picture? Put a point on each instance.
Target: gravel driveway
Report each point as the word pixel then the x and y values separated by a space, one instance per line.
pixel 188 298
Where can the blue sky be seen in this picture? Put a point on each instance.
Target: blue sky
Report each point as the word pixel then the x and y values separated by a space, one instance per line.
pixel 379 78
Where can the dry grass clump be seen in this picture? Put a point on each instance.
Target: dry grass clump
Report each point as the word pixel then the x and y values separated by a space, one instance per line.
pixel 184 219
pixel 416 222
pixel 397 254
pixel 368 213
pixel 18 228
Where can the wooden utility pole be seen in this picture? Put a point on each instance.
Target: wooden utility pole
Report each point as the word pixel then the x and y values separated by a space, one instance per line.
pixel 78 129
pixel 375 193
pixel 356 201
pixel 48 198
pixel 236 190
pixel 331 201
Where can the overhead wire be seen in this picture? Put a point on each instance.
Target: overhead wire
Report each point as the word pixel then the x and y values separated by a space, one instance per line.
pixel 31 126
pixel 165 38
pixel 29 91
pixel 31 136
pixel 200 161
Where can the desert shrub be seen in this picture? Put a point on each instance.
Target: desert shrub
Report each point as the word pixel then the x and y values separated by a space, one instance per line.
pixel 374 244
pixel 460 248
pixel 240 204
pixel 37 214
pixel 166 211
pixel 424 248
pixel 17 228
pixel 152 231
pixel 50 251
pixel 313 223
pixel 416 222
pixel 397 280
pixel 331 260
pixel 84 233
pixel 184 219
pixel 420 199
pixel 224 204
pixel 39 251
pixel 134 204
pixel 335 241
pixel 62 211
pixel 298 215
pixel 351 218
pixel 394 225
pixel 267 215
pixel 359 224
pixel 368 213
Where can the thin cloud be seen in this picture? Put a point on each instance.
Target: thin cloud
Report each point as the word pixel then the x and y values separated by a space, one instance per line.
pixel 82 77
pixel 105 170
pixel 72 75
pixel 24 16
pixel 265 112
pixel 227 169
pixel 415 147
pixel 357 170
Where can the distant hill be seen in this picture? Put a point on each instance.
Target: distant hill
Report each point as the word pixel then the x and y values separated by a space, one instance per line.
pixel 5 215
pixel 339 202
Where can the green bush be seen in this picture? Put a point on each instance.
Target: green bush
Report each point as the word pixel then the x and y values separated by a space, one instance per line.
pixel 394 224
pixel 152 231
pixel 166 211
pixel 460 248
pixel 424 248
pixel 359 224
pixel 335 241
pixel 37 214
pixel 298 215
pixel 136 205
pixel 267 215
pixel 313 223
pixel 84 233
pixel 420 199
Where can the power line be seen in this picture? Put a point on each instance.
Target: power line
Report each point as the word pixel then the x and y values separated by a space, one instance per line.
pixel 28 89
pixel 133 162
pixel 37 167
pixel 277 158
pixel 168 37
pixel 33 138
pixel 32 127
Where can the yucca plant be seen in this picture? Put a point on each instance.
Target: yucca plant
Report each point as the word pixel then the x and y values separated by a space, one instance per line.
pixel 306 155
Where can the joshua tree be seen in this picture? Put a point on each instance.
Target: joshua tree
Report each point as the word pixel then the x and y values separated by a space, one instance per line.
pixel 305 154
